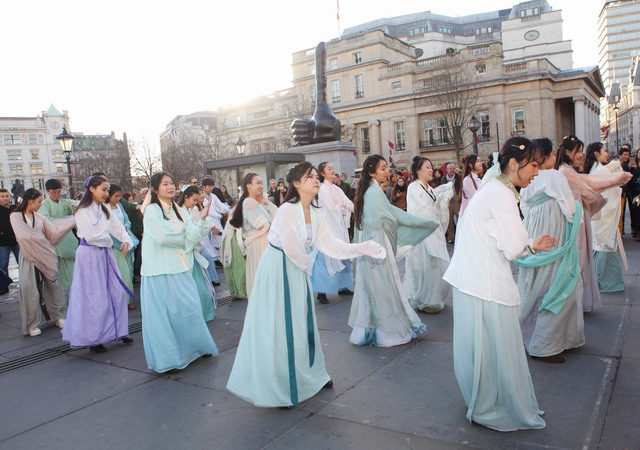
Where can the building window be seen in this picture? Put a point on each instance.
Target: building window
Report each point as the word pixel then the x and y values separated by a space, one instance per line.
pixel 265 147
pixel 36 168
pixel 441 131
pixel 399 129
pixel 335 90
pixel 484 30
pixel 237 121
pixel 333 63
pixel 481 68
pixel 33 139
pixel 14 155
pixel 530 12
pixel 517 118
pixel 357 58
pixel 445 30
pixel 59 167
pixel 12 139
pixel 312 69
pixel 485 125
pixel 428 133
pixel 419 30
pixel 313 94
pixel 479 49
pixel 285 111
pixel 396 85
pixel 256 148
pixel 15 169
pixel 359 86
pixel 35 154
pixel 38 183
pixel 57 153
pixel 364 138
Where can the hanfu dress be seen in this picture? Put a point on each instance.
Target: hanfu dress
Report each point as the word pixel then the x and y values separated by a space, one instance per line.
pixel 257 219
pixel 427 262
pixel 205 248
pixel 331 275
pixel 199 265
pixel 38 268
pixel 173 327
pixel 592 202
pixel 551 314
pixel 470 186
pixel 233 260
pixel 67 246
pixel 125 262
pixel 216 212
pixel 97 310
pixel 381 314
pixel 607 243
pixel 279 361
pixel 488 354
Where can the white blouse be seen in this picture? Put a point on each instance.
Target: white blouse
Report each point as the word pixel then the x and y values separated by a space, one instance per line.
pixel 337 208
pixel 490 234
pixel 94 227
pixel 288 232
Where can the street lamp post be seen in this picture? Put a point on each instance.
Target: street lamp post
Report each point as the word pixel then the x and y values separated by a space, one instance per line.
pixel 474 126
pixel 614 97
pixel 66 140
pixel 240 146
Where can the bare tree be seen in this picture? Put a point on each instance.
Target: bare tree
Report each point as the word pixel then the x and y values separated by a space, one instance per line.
pixel 145 160
pixel 101 153
pixel 300 106
pixel 452 90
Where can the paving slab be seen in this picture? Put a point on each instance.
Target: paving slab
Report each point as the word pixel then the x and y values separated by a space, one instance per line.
pixel 622 426
pixel 45 391
pixel 126 356
pixel 418 394
pixel 604 330
pixel 226 333
pixel 163 414
pixel 232 311
pixel 631 343
pixel 318 432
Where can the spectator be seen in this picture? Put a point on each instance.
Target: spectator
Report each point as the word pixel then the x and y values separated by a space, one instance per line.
pixel 8 243
pixel 193 181
pixel 437 178
pixel 452 176
pixel 624 155
pixel 388 190
pixel 399 195
pixel 280 193
pixel 227 196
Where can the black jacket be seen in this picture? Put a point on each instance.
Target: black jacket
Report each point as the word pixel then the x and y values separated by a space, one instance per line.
pixel 7 237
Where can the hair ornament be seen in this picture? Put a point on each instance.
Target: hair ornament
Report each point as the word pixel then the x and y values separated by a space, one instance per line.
pixel 521 146
pixel 87 182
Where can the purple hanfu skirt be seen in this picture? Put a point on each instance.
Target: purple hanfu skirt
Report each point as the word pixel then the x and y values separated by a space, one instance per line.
pixel 97 311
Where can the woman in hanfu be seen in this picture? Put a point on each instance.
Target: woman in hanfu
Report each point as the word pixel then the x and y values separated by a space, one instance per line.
pixel 549 283
pixel 38 263
pixel 586 189
pixel 279 361
pixel 232 256
pixel 332 276
pixel 488 354
pixel 381 315
pixel 254 214
pixel 428 261
pixel 607 242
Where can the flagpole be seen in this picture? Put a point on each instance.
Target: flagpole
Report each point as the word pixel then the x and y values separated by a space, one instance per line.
pixel 338 16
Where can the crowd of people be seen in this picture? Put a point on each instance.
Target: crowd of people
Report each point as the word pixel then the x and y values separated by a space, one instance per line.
pixel 556 212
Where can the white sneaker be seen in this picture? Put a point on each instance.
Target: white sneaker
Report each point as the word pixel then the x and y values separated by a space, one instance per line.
pixel 60 323
pixel 35 332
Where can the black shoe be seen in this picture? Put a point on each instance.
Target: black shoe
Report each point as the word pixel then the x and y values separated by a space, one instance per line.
pixel 215 283
pixel 322 298
pixel 345 291
pixel 126 340
pixel 136 281
pixel 206 355
pixel 328 385
pixel 4 291
pixel 98 349
pixel 218 263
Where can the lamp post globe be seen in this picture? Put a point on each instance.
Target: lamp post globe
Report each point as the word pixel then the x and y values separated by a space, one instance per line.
pixel 474 126
pixel 240 145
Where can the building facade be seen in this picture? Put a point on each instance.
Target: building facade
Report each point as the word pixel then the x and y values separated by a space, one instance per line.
pixel 101 153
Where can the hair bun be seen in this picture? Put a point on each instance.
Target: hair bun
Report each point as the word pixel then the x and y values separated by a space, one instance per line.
pixel 416 158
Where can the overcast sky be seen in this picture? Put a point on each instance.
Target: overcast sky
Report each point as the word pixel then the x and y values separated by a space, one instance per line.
pixel 133 65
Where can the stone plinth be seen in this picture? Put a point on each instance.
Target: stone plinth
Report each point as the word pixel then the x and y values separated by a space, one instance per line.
pixel 340 154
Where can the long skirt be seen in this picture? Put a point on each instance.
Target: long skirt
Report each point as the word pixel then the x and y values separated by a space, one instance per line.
pixel 254 253
pixel 205 291
pixel 591 296
pixel 236 274
pixel 423 283
pixel 608 267
pixel 97 302
pixel 279 361
pixel 33 286
pixel 491 366
pixel 381 315
pixel 211 270
pixel 125 265
pixel 173 328
pixel 327 284
pixel 65 272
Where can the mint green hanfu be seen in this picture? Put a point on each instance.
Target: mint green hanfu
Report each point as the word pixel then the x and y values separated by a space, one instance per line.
pixel 66 248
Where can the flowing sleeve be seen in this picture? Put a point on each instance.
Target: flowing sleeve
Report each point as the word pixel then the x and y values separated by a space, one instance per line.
pixel 272 210
pixel 118 230
pixel 330 245
pixel 153 227
pixel 89 232
pixel 557 187
pixel 254 214
pixel 195 232
pixel 55 230
pixel 286 226
pixel 507 228
pixel 45 209
pixel 467 187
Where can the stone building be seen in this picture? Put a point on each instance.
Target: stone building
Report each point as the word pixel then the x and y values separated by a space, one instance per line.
pixel 101 153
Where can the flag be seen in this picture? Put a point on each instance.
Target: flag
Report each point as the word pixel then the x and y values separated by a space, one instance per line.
pixel 391 147
pixel 338 10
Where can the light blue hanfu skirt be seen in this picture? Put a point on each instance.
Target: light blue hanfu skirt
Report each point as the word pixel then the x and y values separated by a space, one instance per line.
pixel 608 267
pixel 279 361
pixel 205 291
pixel 173 328
pixel 327 284
pixel 211 270
pixel 491 366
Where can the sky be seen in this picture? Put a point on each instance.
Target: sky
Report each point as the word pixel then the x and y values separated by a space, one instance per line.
pixel 132 66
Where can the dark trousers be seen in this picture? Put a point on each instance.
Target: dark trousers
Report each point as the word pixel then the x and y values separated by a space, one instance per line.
pixel 5 253
pixel 137 258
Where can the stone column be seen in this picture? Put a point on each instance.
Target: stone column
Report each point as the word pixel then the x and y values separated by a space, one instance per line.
pixel 580 112
pixel 374 137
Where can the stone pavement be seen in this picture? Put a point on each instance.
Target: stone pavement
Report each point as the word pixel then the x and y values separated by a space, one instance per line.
pixel 383 398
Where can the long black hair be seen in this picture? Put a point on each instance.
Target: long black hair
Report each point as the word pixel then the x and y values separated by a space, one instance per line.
pixel 469 166
pixel 522 150
pixel 370 165
pixel 569 144
pixel 416 165
pixel 156 179
pixel 321 168
pixel 113 189
pixel 87 196
pixel 590 159
pixel 237 219
pixel 298 173
pixel 29 194
pixel 188 192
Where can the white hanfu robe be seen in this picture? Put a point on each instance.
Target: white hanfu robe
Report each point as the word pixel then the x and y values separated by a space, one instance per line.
pixel 279 361
pixel 256 220
pixel 216 211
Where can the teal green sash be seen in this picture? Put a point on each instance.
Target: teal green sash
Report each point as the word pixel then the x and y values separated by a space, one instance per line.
pixel 288 323
pixel 538 200
pixel 568 271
